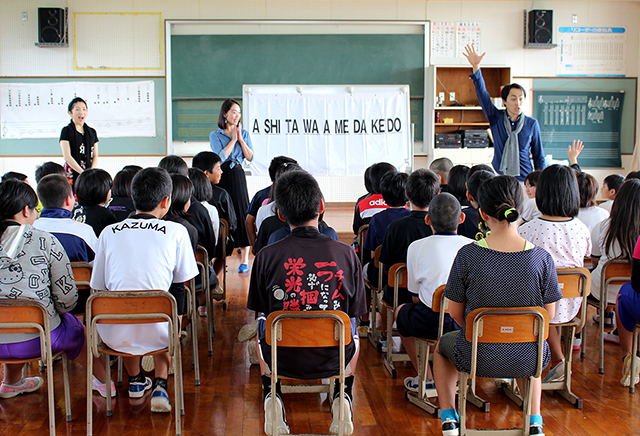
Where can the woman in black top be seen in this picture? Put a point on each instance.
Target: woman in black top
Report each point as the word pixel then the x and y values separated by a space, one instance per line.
pixel 78 141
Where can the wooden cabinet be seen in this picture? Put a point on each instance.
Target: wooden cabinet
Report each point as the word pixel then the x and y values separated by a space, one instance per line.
pixel 465 110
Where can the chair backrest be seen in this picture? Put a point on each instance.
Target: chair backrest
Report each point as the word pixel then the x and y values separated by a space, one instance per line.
pixel 202 256
pixel 574 282
pixel 376 256
pixel 362 235
pixel 440 304
pixel 131 307
pixel 223 233
pixel 507 326
pixel 82 274
pixel 398 275
pixel 308 329
pixel 615 272
pixel 23 316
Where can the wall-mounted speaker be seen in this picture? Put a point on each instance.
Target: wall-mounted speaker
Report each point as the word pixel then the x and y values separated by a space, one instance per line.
pixel 540 26
pixel 52 26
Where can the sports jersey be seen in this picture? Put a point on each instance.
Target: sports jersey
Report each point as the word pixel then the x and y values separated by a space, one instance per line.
pixel 78 239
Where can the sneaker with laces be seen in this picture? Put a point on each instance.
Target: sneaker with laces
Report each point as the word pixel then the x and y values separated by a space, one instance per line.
pixel 101 388
pixel 612 337
pixel 248 331
pixel 202 311
pixel 137 389
pixel 253 353
pixel 450 427
pixel 412 384
pixel 577 343
pixel 396 344
pixel 608 320
pixel 160 400
pixel 348 415
pixel 536 429
pixel 24 386
pixel 243 268
pixel 281 420
pixel 556 373
pixel 626 371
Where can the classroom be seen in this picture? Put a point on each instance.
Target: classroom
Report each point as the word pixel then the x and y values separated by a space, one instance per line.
pixel 159 47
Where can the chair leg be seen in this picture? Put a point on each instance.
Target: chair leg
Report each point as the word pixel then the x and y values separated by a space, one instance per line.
pixel 108 382
pixel 209 319
pixel 420 399
pixel 89 390
pixel 463 383
pixel 178 389
pixel 584 337
pixel 120 364
pixel 374 333
pixel 634 353
pixel 527 386
pixel 50 392
pixel 388 358
pixel 603 306
pixel 65 380
pixel 194 351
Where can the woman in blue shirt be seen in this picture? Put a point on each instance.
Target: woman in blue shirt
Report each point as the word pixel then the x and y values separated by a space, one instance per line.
pixel 233 145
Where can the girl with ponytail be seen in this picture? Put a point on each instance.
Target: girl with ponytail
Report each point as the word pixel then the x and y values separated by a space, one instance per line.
pixel 502 270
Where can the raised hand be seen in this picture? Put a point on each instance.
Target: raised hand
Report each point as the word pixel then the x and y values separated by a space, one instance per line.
pixel 473 57
pixel 574 151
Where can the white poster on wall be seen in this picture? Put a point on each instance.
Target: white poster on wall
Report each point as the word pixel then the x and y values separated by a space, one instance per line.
pixel 329 134
pixel 592 51
pixel 39 110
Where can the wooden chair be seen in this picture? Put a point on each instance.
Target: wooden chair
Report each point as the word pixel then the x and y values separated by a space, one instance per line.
pixel 310 329
pixel 634 352
pixel 192 313
pixel 614 272
pixel 503 325
pixel 362 235
pixel 376 298
pixel 223 235
pixel 574 283
pixel 82 275
pixel 132 307
pixel 202 260
pixel 440 305
pixel 397 279
pixel 29 316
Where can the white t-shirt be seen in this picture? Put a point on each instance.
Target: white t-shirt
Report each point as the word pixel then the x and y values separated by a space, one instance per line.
pixel 265 212
pixel 606 205
pixel 599 236
pixel 530 210
pixel 592 216
pixel 215 217
pixel 141 254
pixel 429 261
pixel 568 242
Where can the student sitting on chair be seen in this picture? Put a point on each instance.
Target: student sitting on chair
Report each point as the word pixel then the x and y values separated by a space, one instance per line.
pixel 610 187
pixel 428 263
pixel 422 186
pixel 471 226
pixel 93 191
pixel 305 271
pixel 34 266
pixel 144 253
pixel 482 275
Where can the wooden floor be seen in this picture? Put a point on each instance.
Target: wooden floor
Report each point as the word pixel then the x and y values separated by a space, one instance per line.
pixel 229 401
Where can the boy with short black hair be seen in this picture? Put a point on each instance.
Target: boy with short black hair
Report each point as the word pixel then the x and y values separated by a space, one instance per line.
pixel 471 226
pixel 610 187
pixel 144 252
pixel 305 271
pixel 48 168
pixel 93 191
pixel 429 261
pixel 372 202
pixel 422 186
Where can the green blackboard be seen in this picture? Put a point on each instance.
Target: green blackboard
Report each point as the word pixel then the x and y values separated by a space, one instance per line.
pixel 108 146
pixel 216 66
pixel 592 116
pixel 213 66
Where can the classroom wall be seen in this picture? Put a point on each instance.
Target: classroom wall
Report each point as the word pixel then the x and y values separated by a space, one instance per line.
pixel 502 39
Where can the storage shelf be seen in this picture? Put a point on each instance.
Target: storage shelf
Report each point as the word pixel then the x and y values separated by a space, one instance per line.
pixel 464 124
pixel 458 108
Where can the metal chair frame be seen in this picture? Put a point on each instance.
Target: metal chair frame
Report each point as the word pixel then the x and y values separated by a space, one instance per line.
pixel 397 278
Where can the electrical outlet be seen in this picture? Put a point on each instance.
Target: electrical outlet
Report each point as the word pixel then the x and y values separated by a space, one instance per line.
pixel 574 19
pixel 452 96
pixel 441 97
pixel 25 16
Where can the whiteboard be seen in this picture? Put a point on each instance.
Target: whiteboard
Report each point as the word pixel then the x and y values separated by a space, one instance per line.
pixel 331 130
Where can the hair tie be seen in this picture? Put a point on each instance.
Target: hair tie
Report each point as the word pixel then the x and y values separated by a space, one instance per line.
pixel 508 212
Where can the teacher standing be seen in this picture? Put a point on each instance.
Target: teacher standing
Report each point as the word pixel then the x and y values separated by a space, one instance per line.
pixel 516 137
pixel 233 144
pixel 78 141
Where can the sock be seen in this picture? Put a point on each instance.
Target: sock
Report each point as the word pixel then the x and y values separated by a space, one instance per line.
pixel 535 419
pixel 450 414
pixel 556 362
pixel 162 382
pixel 17 384
pixel 137 378
pixel 266 387
pixel 348 387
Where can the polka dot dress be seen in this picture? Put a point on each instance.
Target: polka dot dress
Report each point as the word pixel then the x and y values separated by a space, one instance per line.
pixel 568 242
pixel 481 277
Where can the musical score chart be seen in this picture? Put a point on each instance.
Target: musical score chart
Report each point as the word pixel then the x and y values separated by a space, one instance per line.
pixel 39 110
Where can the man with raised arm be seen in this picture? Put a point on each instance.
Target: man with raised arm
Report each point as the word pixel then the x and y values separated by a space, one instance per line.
pixel 516 137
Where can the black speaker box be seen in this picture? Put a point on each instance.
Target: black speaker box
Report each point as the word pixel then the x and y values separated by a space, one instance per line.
pixel 540 26
pixel 52 25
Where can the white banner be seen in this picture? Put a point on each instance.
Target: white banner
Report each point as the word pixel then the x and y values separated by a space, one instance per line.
pixel 329 134
pixel 115 109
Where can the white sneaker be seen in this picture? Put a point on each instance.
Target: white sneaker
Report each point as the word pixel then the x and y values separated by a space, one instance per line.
pixel 253 353
pixel 348 415
pixel 626 371
pixel 281 424
pixel 556 373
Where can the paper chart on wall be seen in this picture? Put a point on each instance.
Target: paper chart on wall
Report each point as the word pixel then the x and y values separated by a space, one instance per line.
pixel 443 39
pixel 39 110
pixel 468 32
pixel 592 51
